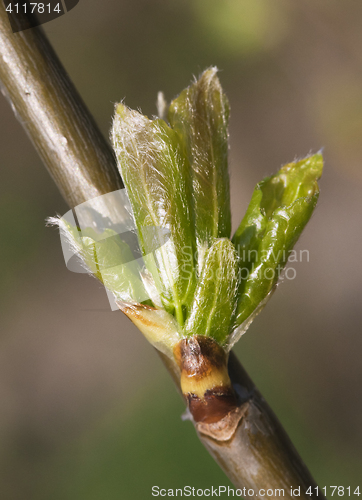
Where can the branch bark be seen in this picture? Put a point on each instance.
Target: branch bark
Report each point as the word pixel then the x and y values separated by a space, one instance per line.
pixel 53 114
pixel 253 450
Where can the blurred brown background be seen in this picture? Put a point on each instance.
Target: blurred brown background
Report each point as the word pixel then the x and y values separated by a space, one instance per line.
pixel 87 410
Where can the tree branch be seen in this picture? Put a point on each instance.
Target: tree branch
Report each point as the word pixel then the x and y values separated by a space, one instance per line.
pixel 258 454
pixel 53 114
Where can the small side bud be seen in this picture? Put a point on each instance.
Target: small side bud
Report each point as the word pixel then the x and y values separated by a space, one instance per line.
pixel 157 325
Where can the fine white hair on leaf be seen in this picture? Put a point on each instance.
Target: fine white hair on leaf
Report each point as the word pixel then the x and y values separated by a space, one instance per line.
pixel 126 141
pixel 74 246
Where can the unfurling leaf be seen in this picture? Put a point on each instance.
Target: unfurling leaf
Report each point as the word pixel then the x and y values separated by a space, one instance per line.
pixel 155 172
pixel 200 116
pixel 280 207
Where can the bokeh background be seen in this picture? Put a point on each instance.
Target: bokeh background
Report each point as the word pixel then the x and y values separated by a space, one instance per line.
pixel 87 411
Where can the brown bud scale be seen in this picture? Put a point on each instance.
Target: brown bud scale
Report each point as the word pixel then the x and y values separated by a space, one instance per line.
pixel 205 381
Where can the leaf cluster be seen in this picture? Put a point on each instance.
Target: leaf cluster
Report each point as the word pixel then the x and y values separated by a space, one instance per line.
pixel 177 182
pixel 176 176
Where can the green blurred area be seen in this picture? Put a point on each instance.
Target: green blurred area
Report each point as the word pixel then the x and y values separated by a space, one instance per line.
pixel 87 410
pixel 132 450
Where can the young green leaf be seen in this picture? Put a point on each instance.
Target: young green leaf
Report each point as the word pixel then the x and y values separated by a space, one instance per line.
pixel 155 172
pixel 280 208
pixel 200 116
pixel 214 304
pixel 109 259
